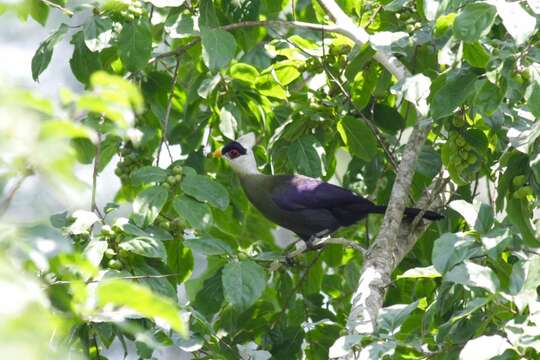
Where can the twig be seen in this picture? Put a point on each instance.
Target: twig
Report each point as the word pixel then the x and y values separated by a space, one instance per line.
pixel 168 114
pixel 246 24
pixel 295 289
pixel 4 205
pixel 93 206
pixel 132 277
pixel 59 7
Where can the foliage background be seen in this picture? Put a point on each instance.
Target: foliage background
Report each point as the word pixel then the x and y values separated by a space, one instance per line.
pixel 161 83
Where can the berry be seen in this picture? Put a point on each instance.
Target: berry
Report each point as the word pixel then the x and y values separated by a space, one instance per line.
pixel 519 180
pixel 110 253
pixel 115 264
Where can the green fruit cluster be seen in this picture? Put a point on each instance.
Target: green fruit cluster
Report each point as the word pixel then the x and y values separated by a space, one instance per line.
pixel 465 156
pixel 175 227
pixel 123 9
pixel 132 159
pixel 174 178
pixel 521 190
pixel 114 257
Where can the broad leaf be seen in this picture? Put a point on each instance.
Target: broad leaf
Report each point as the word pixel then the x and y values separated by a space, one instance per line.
pixel 203 188
pixel 98 33
pixel 243 283
pixel 43 55
pixel 358 138
pixel 303 156
pixel 208 246
pixel 142 300
pixel 135 45
pixel 471 274
pixel 219 48
pixel 474 21
pixel 145 246
pixel 148 174
pixel 148 204
pixel 196 213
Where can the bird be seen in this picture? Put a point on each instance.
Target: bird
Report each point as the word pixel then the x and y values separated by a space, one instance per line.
pixel 309 207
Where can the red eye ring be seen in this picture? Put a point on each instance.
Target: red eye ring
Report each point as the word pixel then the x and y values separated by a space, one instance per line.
pixel 234 153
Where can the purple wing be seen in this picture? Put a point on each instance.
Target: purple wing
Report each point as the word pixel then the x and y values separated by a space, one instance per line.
pixel 300 192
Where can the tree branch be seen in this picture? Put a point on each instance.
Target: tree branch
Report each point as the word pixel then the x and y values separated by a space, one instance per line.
pixel 4 205
pixel 168 114
pixel 248 24
pixel 386 252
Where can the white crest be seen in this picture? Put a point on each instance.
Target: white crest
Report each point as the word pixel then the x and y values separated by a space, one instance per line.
pixel 247 140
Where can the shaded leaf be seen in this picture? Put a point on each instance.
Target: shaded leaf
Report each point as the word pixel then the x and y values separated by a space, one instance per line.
pixel 243 283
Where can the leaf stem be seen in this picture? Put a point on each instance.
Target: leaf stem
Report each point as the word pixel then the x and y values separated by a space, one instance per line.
pixel 59 7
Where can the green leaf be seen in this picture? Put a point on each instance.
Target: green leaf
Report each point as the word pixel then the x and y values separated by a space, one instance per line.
pixel 43 55
pixel 304 157
pixel 244 72
pixel 388 118
pixel 488 96
pixel 196 213
pixel 148 174
pixel 285 71
pixel 451 249
pixel 429 162
pixel 268 86
pixel 478 216
pixel 208 17
pixel 518 22
pixel 533 98
pixel 203 188
pixel 476 55
pixel 219 48
pixel 135 45
pixel 363 85
pixel 166 3
pixel 471 274
pixel 391 317
pixel 159 285
pixel 39 11
pixel 474 21
pixel 229 117
pixel 142 300
pixel 428 272
pixel 243 283
pixel 83 221
pixel 358 138
pixel 83 62
pixel 109 148
pixel 94 251
pixel 484 348
pixel 208 246
pixel 209 299
pixel 98 33
pixel 148 204
pixel 455 89
pixel 519 215
pixel 145 246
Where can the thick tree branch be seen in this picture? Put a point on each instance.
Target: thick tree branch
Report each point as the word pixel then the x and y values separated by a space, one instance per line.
pixel 388 248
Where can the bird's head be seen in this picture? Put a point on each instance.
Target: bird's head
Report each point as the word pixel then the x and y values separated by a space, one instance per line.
pixel 239 154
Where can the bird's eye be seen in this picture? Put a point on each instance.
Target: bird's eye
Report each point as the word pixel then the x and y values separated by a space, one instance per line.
pixel 234 153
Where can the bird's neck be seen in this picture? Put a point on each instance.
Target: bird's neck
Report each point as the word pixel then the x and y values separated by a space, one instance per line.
pixel 245 165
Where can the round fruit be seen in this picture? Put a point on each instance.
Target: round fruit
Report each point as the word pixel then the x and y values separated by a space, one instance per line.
pixel 177 170
pixel 110 253
pixel 115 264
pixel 171 180
pixel 519 180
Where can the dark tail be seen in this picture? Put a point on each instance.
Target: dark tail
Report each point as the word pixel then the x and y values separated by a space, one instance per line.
pixel 409 212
